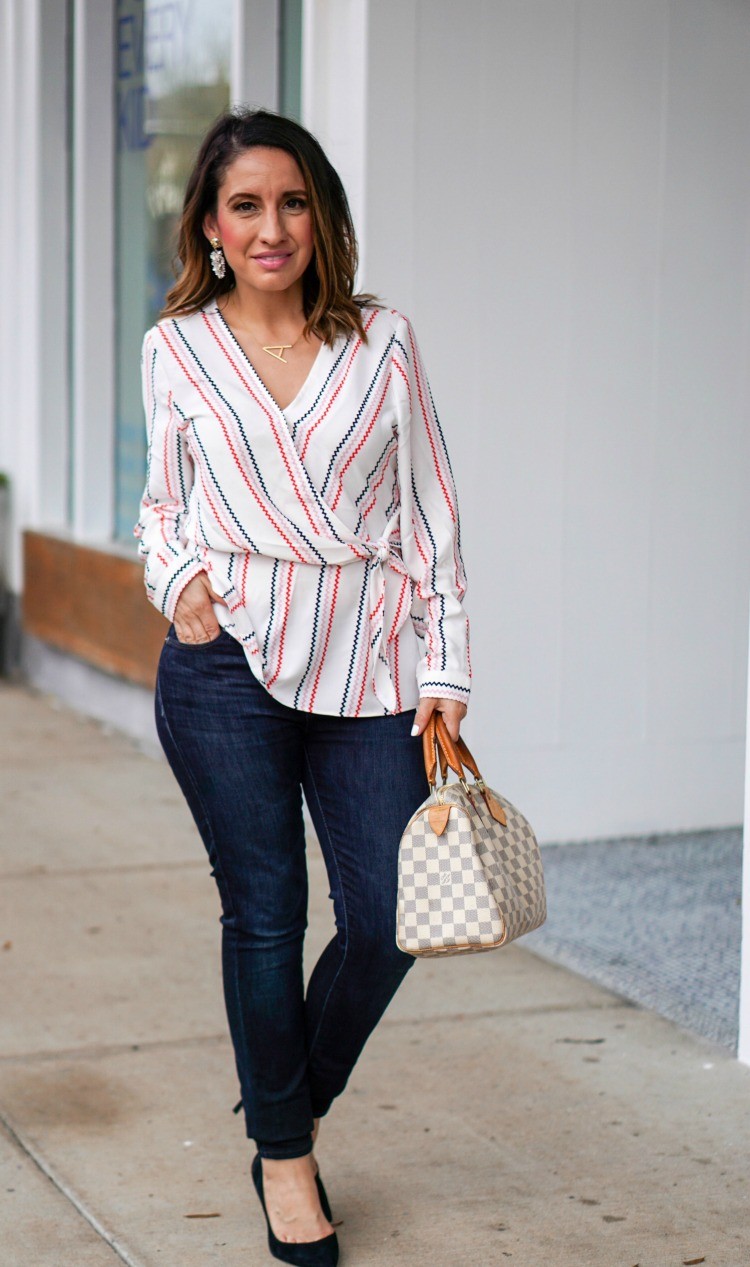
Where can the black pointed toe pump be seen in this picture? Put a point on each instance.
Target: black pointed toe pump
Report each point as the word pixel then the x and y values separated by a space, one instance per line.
pixel 322 1253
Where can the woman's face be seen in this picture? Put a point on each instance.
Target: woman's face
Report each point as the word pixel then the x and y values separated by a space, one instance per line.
pixel 263 220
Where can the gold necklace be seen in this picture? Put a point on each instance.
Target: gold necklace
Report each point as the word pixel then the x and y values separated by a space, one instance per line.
pixel 276 350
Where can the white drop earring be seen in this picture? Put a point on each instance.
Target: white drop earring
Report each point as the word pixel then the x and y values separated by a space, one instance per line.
pixel 218 263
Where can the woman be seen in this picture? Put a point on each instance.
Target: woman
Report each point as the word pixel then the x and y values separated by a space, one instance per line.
pixel 300 531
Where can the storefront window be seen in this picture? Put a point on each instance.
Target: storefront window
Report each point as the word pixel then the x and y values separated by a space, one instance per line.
pixel 172 79
pixel 290 58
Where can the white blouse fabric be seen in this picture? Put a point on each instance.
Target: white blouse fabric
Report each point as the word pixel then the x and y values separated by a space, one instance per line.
pixel 330 527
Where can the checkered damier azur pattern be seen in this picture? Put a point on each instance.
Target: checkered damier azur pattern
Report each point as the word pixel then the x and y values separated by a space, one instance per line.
pixel 478 885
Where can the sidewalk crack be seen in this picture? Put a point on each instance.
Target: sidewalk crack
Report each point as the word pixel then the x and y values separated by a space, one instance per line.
pixel 40 1161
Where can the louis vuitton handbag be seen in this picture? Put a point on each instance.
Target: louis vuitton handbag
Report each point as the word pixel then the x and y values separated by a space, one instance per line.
pixel 469 869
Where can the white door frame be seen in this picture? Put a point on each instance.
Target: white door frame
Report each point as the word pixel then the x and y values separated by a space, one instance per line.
pixel 743 1050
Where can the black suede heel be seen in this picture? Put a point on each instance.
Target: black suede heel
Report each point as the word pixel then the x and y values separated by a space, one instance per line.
pixel 324 1204
pixel 323 1253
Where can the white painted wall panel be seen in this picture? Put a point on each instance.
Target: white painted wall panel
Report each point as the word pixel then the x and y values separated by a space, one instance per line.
pixel 524 295
pixel 33 385
pixel 334 89
pixel 700 498
pixel 558 194
pixel 609 407
pixel 743 1044
pixel 9 445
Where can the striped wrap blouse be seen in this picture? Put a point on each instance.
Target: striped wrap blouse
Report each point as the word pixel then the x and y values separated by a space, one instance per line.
pixel 330 527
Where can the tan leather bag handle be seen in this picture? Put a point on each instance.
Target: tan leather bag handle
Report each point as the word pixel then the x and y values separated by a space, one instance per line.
pixel 428 751
pixel 436 736
pixel 437 742
pixel 431 750
pixel 467 758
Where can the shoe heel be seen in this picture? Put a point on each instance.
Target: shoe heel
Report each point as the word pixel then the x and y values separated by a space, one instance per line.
pixel 322 1253
pixel 324 1202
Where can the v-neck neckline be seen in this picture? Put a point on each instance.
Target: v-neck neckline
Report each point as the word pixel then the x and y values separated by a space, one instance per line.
pixel 311 376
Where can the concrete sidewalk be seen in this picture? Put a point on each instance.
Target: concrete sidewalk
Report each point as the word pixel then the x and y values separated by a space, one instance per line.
pixel 505 1110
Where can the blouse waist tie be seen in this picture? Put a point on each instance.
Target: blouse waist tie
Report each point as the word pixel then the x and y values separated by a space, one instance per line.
pixel 389 609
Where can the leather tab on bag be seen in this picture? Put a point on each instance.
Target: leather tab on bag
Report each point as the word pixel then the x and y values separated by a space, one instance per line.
pixel 438 816
pixel 495 808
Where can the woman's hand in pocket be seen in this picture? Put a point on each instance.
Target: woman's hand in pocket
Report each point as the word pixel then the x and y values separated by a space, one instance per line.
pixel 194 619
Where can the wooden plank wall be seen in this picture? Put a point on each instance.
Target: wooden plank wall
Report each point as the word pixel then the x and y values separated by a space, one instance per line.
pixel 92 604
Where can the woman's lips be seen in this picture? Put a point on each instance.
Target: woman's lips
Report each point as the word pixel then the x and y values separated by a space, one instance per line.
pixel 273 261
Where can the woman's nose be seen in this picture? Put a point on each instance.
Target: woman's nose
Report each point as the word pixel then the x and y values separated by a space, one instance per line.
pixel 271 229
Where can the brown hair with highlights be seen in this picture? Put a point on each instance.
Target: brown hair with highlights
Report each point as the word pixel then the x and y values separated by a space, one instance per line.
pixel 330 305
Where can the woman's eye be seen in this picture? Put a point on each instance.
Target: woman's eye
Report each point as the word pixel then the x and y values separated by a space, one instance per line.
pixel 245 206
pixel 296 204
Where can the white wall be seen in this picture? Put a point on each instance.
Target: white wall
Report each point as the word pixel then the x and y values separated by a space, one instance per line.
pixel 743 1046
pixel 33 245
pixel 558 193
pixel 334 91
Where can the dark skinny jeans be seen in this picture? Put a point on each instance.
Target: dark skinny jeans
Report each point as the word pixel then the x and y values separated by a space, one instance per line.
pixel 242 760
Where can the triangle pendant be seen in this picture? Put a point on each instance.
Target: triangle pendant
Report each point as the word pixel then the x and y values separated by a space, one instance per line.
pixel 276 350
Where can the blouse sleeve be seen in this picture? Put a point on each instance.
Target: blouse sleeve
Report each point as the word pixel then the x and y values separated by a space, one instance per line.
pixel 430 529
pixel 160 530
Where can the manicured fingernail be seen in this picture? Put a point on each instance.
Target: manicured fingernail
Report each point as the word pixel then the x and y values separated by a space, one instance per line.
pixel 415 729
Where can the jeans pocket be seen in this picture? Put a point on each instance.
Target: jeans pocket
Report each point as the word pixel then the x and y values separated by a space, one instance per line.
pixel 174 641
